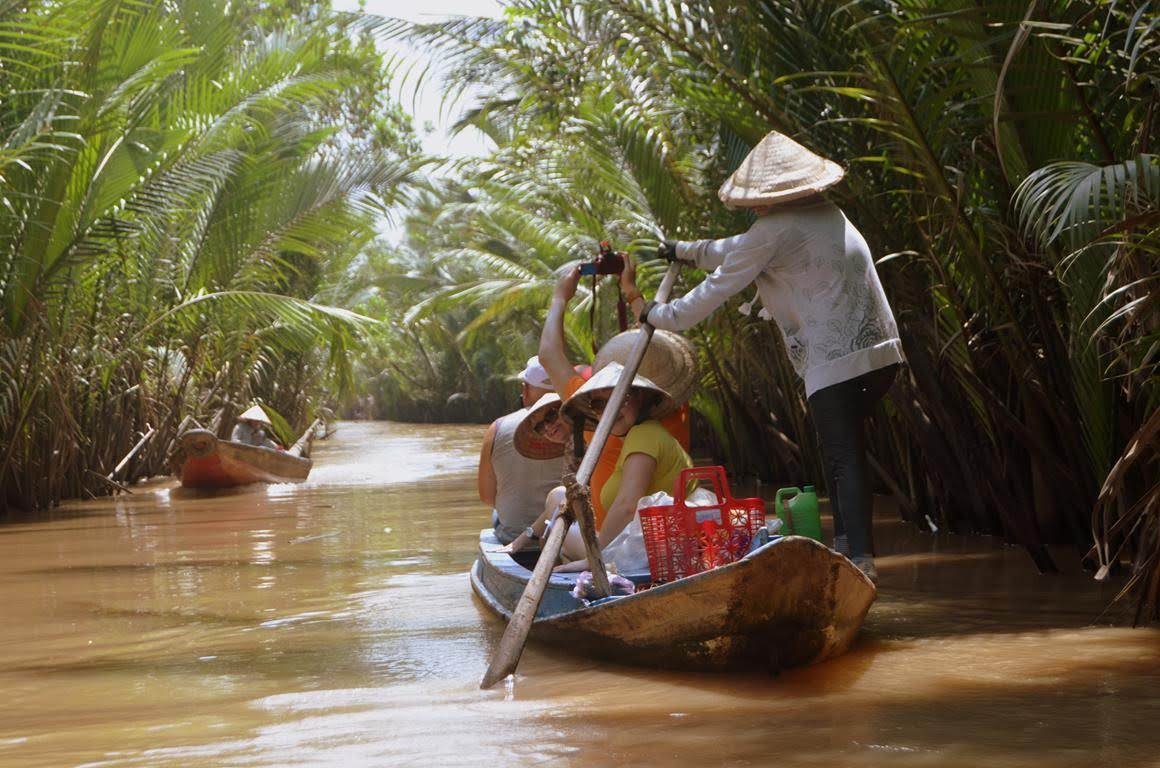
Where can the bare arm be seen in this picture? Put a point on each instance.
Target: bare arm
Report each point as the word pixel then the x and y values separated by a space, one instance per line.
pixel 553 350
pixel 486 477
pixel 635 474
pixel 629 289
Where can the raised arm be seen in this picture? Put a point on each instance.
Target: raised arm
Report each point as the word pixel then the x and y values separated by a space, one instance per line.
pixel 553 349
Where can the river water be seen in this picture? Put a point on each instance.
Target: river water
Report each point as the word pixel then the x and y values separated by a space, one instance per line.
pixel 331 624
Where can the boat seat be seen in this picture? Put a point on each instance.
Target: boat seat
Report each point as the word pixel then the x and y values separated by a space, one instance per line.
pixel 524 561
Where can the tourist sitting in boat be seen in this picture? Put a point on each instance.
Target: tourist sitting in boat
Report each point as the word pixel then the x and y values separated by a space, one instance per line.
pixel 669 363
pixel 650 459
pixel 514 482
pixel 253 428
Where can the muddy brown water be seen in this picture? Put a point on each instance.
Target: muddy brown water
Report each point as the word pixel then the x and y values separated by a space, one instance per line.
pixel 331 624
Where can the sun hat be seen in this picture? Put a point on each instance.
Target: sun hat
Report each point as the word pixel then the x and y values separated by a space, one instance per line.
pixel 536 375
pixel 670 361
pixel 579 405
pixel 529 443
pixel 778 170
pixel 255 413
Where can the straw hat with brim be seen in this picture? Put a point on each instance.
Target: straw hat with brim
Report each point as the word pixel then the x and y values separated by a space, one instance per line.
pixel 528 442
pixel 670 361
pixel 778 170
pixel 602 382
pixel 255 413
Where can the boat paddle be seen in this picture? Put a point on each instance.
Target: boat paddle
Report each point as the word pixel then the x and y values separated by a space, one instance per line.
pixel 511 646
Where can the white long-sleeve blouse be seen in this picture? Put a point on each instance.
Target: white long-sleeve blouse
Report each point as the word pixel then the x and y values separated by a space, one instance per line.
pixel 816 280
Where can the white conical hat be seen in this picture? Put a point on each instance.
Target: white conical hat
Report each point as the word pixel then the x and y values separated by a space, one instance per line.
pixel 579 405
pixel 778 170
pixel 255 413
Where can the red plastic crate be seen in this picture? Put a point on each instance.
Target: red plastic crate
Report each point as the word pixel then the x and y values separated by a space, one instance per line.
pixel 681 540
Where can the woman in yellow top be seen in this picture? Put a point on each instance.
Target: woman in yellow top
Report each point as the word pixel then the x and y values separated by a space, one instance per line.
pixel 651 459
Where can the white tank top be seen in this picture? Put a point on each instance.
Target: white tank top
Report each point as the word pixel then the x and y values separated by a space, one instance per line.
pixel 521 484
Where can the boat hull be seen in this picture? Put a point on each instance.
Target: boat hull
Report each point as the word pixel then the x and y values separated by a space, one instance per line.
pixel 789 604
pixel 203 461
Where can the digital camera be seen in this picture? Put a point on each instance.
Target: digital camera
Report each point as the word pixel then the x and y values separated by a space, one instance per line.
pixel 607 262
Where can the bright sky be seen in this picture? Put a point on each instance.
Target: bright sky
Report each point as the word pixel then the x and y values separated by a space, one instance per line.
pixel 425 105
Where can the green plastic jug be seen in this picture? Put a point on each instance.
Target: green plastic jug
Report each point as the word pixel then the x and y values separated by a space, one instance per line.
pixel 799 515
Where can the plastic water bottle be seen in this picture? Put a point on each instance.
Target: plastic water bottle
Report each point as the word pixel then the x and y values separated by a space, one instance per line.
pixel 798 509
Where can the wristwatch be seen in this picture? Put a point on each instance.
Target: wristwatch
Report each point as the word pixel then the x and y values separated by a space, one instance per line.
pixel 530 532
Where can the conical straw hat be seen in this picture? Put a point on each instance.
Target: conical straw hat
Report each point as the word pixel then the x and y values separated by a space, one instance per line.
pixel 579 405
pixel 528 443
pixel 255 413
pixel 778 170
pixel 670 361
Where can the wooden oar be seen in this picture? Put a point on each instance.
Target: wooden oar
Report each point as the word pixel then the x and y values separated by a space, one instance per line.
pixel 302 446
pixel 507 656
pixel 511 646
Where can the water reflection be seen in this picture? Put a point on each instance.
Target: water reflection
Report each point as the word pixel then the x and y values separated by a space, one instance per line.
pixel 331 624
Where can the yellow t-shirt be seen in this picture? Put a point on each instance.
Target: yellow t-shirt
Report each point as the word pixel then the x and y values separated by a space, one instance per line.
pixel 677 423
pixel 649 437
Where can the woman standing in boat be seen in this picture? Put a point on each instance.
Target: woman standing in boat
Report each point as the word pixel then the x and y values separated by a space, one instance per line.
pixel 817 280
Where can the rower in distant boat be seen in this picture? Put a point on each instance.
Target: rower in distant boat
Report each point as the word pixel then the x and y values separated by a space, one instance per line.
pixel 252 427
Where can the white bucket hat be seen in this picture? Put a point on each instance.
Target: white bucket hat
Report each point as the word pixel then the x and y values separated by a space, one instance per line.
pixel 670 361
pixel 536 375
pixel 255 413
pixel 778 170
pixel 579 405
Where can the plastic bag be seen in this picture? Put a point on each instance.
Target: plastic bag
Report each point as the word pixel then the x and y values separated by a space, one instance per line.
pixel 619 586
pixel 627 551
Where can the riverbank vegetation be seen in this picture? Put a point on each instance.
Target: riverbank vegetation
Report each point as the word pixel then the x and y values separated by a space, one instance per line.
pixel 190 195
pixel 181 184
pixel 1000 161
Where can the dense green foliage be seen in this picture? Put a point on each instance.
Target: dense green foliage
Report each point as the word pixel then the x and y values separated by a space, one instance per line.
pixel 179 181
pixel 999 162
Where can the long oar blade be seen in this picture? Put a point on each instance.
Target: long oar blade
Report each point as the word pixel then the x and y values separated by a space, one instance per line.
pixel 511 646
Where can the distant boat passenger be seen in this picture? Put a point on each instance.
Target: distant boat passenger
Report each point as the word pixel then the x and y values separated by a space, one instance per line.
pixel 252 427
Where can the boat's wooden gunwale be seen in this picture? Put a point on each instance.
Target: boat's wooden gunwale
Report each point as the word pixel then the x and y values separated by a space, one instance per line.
pixel 791 603
pixel 207 462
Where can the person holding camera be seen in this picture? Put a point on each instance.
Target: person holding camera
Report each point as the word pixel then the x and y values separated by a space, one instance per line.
pixel 669 363
pixel 817 281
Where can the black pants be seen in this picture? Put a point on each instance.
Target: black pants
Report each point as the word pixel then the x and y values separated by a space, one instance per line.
pixel 840 414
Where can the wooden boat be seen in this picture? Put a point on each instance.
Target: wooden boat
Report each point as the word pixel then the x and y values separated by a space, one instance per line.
pixel 203 461
pixel 791 603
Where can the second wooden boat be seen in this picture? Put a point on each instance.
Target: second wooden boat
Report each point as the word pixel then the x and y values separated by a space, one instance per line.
pixel 791 603
pixel 203 461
